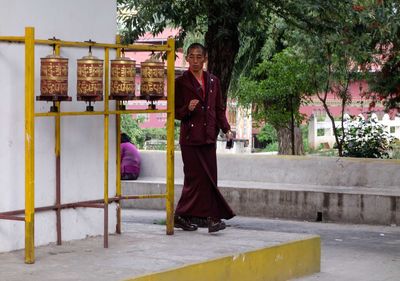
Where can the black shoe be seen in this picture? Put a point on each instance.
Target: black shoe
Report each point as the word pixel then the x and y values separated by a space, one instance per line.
pixel 215 225
pixel 181 222
pixel 199 221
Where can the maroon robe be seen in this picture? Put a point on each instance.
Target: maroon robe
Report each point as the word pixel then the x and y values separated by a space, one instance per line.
pixel 198 135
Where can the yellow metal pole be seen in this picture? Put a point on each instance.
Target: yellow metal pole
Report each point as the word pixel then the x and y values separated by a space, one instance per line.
pixel 118 151
pixel 58 165
pixel 29 145
pixel 106 122
pixel 131 47
pixel 170 135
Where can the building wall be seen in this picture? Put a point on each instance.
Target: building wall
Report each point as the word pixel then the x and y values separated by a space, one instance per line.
pixel 81 137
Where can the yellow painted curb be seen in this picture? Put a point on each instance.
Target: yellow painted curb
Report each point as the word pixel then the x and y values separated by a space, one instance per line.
pixel 277 263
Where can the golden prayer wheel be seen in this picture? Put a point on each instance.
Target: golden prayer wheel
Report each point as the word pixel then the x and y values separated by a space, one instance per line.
pixel 123 72
pixel 53 80
pixel 90 79
pixel 152 80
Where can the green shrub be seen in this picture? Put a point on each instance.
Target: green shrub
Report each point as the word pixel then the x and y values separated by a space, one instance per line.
pixel 366 139
pixel 139 136
pixel 267 134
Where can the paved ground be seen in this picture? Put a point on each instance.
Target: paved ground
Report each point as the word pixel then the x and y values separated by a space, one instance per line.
pixel 142 248
pixel 349 252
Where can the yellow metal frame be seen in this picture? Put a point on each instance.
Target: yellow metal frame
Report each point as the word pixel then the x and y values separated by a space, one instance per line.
pixel 30 114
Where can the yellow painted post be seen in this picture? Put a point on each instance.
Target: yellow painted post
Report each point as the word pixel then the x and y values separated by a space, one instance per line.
pixel 117 151
pixel 58 164
pixel 170 135
pixel 106 122
pixel 29 145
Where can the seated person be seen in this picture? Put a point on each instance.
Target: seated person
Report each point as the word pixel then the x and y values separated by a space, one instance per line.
pixel 130 159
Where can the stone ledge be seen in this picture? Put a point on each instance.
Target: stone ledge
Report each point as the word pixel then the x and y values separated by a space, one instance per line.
pixel 387 191
pixel 289 201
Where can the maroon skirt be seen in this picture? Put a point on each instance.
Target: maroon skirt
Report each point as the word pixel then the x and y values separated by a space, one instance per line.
pixel 200 195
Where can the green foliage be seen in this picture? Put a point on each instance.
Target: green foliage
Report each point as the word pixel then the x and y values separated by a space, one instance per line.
pixel 137 17
pixel 267 134
pixel 329 38
pixel 396 150
pixel 364 31
pixel 271 147
pixel 380 22
pixel 275 89
pixel 155 133
pixel 138 136
pixel 228 25
pixel 131 128
pixel 367 139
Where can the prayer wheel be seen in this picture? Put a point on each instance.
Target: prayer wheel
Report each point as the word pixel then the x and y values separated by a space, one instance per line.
pixel 152 80
pixel 123 72
pixel 54 78
pixel 90 79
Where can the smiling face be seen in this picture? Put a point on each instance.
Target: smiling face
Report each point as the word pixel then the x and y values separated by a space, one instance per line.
pixel 196 59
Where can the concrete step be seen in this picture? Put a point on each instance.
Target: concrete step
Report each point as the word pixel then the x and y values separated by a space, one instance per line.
pixel 145 252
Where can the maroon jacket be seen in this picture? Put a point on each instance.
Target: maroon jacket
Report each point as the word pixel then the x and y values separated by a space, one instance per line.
pixel 201 126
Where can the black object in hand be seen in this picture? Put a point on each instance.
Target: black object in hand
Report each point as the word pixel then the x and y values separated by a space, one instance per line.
pixel 229 144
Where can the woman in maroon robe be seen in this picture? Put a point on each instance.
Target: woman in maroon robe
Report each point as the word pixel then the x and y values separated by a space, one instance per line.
pixel 198 104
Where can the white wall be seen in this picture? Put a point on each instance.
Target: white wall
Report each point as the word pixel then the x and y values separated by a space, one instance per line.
pixel 81 137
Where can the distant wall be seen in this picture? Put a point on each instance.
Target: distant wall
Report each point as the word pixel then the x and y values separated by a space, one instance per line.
pixel 298 170
pixel 81 137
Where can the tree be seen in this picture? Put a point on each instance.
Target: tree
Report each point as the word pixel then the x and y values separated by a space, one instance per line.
pixel 218 20
pixel 332 56
pixel 381 21
pixel 334 36
pixel 330 72
pixel 275 91
pixel 224 23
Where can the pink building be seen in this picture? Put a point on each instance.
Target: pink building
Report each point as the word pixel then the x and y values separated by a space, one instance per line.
pixel 358 105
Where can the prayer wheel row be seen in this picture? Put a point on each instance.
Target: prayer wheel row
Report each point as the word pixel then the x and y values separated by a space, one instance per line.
pixel 54 79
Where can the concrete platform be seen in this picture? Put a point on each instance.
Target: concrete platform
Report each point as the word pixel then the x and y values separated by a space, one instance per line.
pixel 142 249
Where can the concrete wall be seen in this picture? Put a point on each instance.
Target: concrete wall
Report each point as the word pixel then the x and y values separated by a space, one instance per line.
pixel 319 171
pixel 81 137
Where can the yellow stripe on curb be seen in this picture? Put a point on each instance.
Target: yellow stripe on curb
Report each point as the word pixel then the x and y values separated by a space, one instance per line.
pixel 277 263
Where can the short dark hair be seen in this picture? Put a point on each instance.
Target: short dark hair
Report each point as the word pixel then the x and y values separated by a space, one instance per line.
pixel 197 46
pixel 125 138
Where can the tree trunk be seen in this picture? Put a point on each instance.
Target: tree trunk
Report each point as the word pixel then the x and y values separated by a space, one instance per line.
pixel 222 42
pixel 285 141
